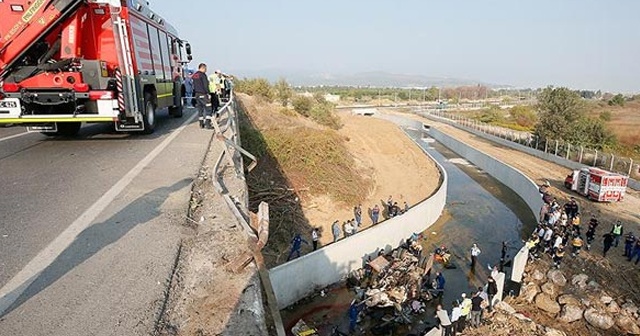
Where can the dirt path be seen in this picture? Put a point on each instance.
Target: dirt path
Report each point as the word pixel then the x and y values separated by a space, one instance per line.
pixel 396 164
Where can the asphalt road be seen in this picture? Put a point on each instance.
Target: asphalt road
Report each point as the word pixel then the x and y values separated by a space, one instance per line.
pixel 89 227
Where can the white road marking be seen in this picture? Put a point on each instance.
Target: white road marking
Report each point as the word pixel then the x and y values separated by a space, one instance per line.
pixel 13 136
pixel 12 290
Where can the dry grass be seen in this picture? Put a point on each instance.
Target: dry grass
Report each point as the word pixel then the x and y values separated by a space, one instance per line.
pixel 297 159
pixel 625 124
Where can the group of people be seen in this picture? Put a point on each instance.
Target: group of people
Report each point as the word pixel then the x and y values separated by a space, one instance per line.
pixel 561 229
pixel 466 311
pixel 351 226
pixel 208 91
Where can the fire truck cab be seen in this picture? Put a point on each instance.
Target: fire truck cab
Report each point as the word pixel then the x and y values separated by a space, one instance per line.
pixel 65 62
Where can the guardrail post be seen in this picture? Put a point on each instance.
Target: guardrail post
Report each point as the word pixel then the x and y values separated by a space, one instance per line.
pixel 546 146
pixel 568 150
pixel 537 142
pixel 556 153
pixel 595 159
pixel 581 152
pixel 630 166
pixel 611 165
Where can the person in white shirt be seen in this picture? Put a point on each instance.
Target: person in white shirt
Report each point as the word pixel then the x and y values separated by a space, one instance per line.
pixel 557 242
pixel 548 234
pixel 445 322
pixel 348 229
pixel 455 316
pixel 475 252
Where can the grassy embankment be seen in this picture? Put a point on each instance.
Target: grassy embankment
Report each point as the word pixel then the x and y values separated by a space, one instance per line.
pixel 297 158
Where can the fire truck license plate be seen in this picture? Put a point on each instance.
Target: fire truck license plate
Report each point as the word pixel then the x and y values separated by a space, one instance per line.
pixel 8 104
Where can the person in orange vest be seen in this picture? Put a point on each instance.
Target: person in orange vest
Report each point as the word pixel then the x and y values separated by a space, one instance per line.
pixel 577 243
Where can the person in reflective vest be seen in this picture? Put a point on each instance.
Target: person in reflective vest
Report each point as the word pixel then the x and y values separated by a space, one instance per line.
pixel 616 232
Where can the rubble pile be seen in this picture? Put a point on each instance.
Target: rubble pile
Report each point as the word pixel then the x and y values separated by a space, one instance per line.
pixel 553 302
pixel 393 280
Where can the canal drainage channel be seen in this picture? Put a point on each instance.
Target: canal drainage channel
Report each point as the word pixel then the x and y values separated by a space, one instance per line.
pixel 479 210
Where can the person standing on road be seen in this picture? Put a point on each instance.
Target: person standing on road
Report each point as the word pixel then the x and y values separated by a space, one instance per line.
pixel 335 230
pixel 296 244
pixel 475 252
pixel 314 238
pixel 188 88
pixel 214 88
pixel 202 95
pixel 617 230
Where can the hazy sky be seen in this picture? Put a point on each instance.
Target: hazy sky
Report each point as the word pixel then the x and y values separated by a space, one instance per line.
pixel 578 43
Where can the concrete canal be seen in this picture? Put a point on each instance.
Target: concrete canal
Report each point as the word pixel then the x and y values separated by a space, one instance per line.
pixel 479 210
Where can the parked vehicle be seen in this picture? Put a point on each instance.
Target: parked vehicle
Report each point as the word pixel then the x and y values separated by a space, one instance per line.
pixel 64 62
pixel 597 184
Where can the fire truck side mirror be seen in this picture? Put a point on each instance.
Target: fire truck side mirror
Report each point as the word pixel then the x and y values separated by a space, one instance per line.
pixel 187 47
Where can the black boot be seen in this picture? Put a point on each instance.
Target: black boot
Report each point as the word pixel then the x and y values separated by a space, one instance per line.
pixel 207 124
pixel 201 123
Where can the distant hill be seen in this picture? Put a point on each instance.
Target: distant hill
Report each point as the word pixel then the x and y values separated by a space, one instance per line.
pixel 373 78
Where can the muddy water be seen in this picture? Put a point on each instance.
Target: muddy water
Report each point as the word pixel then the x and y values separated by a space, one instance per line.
pixel 479 210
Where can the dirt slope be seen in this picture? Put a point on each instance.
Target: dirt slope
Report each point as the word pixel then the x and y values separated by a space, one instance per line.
pixel 395 163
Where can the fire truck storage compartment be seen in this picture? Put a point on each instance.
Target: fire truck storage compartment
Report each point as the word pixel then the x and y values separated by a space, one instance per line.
pixel 92 74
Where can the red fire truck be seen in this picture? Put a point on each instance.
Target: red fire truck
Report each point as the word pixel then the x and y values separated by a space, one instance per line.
pixel 597 184
pixel 65 62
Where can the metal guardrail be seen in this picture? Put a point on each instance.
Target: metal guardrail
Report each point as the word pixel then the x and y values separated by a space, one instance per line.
pixel 256 226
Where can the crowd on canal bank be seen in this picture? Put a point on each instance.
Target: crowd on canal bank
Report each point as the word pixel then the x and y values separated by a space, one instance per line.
pixel 351 226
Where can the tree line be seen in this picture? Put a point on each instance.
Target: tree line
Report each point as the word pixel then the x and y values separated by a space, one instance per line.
pixel 560 113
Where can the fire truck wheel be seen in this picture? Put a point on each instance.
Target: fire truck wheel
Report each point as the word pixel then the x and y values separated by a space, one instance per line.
pixel 149 116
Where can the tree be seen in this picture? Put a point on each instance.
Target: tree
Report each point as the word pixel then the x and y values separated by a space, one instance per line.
pixel 524 116
pixel 492 115
pixel 617 100
pixel 432 93
pixel 255 87
pixel 283 91
pixel 559 110
pixel 563 117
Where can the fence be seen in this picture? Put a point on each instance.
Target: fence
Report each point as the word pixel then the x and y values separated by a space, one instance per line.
pixel 552 149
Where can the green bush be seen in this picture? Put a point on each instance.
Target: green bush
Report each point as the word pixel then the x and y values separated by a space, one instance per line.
pixel 302 105
pixel 258 87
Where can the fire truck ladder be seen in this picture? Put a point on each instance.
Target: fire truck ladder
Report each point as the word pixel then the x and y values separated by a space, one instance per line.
pixel 28 31
pixel 127 88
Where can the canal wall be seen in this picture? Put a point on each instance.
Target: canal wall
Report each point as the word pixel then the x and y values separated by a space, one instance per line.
pixel 300 277
pixel 506 174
